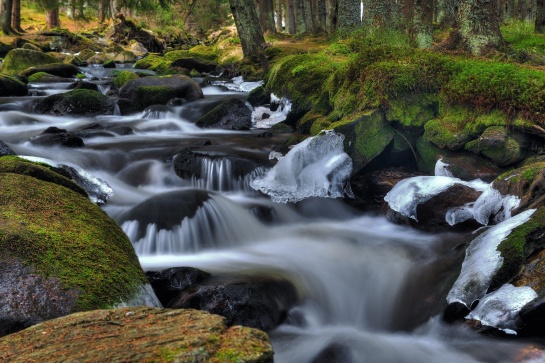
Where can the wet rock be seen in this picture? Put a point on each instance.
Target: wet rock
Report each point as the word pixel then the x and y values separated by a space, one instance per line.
pixel 10 86
pixel 4 49
pixel 140 93
pixel 502 146
pixel 470 167
pixel 455 312
pixel 527 183
pixel 231 114
pixel 126 30
pixel 84 85
pixel 199 65
pixel 53 136
pixel 41 275
pixel 42 77
pixel 258 96
pixel 108 64
pixel 152 334
pixel 532 318
pixel 5 150
pixel 17 60
pixel 255 302
pixel 59 70
pixel 78 102
pixel 138 49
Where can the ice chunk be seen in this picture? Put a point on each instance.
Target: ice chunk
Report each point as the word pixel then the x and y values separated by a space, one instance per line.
pixel 406 195
pixel 237 84
pixel 316 167
pixel 482 261
pixel 98 190
pixel 263 117
pixel 500 308
pixel 441 168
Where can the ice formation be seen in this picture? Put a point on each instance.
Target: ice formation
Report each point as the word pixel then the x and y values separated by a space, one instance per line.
pixel 316 167
pixel 263 117
pixel 500 308
pixel 482 261
pixel 441 168
pixel 406 195
pixel 237 84
pixel 98 190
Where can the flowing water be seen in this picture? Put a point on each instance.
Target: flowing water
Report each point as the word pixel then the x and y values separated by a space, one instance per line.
pixel 370 291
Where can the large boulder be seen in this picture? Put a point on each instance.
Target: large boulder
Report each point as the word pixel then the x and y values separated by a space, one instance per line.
pixel 79 102
pixel 502 146
pixel 60 252
pixel 231 114
pixel 17 60
pixel 53 136
pixel 194 63
pixel 526 183
pixel 140 93
pixel 255 302
pixel 137 335
pixel 59 70
pixel 10 86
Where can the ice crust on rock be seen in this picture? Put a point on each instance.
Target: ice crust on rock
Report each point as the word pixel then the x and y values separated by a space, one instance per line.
pixel 238 84
pixel 281 113
pixel 406 195
pixel 441 169
pixel 316 167
pixel 482 261
pixel 98 190
pixel 500 308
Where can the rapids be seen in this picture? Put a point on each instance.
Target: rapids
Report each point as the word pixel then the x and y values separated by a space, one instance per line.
pixel 370 291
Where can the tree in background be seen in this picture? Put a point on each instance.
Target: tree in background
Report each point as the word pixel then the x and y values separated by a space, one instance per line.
pixel 6 7
pixel 248 28
pixel 265 12
pixel 540 17
pixel 349 14
pixel 16 16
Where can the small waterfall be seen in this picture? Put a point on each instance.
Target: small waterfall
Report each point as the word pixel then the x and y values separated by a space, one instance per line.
pixel 218 222
pixel 218 175
pixel 104 88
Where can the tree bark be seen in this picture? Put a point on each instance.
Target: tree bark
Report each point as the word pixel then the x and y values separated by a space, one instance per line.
pixel 331 12
pixel 52 19
pixel 318 10
pixel 249 30
pixel 349 14
pixel 540 17
pixel 290 16
pixel 423 23
pixel 16 16
pixel 381 14
pixel 279 16
pixel 447 10
pixel 477 27
pixel 300 20
pixel 265 14
pixel 6 7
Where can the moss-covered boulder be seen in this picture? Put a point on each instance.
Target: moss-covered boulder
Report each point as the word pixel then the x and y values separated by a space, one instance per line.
pixel 85 54
pixel 17 60
pixel 366 136
pixel 137 335
pixel 60 252
pixel 413 109
pixel 123 77
pixel 231 114
pixel 79 102
pixel 58 69
pixel 194 63
pixel 140 93
pixel 43 77
pixel 10 86
pixel 502 146
pixel 4 49
pixel 258 96
pixel 527 183
pixel 154 63
pixel 428 154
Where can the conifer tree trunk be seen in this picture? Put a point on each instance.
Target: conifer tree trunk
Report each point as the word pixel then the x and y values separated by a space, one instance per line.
pixel 266 16
pixel 540 17
pixel 447 10
pixel 318 11
pixel 477 27
pixel 331 16
pixel 16 16
pixel 52 19
pixel 300 20
pixel 423 23
pixel 349 12
pixel 290 16
pixel 6 7
pixel 248 28
pixel 279 16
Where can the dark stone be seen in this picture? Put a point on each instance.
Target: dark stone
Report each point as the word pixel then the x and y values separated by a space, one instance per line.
pixel 57 69
pixel 194 63
pixel 258 97
pixel 231 114
pixel 140 93
pixel 11 86
pixel 168 283
pixel 108 64
pixel 78 102
pixel 454 312
pixel 83 85
pixel 60 139
pixel 127 30
pixel 532 318
pixel 470 167
pixel 54 130
pixel 5 150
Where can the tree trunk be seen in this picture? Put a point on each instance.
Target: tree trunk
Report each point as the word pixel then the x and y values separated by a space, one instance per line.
pixel 249 30
pixel 16 16
pixel 300 21
pixel 290 16
pixel 423 23
pixel 52 19
pixel 447 10
pixel 265 14
pixel 279 16
pixel 349 16
pixel 477 27
pixel 509 9
pixel 102 11
pixel 6 7
pixel 331 12
pixel 318 12
pixel 381 14
pixel 540 17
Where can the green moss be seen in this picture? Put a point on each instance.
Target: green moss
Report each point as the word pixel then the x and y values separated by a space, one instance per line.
pixel 151 95
pixel 209 53
pixel 62 234
pixel 154 63
pixel 413 109
pixel 17 60
pixel 428 155
pixel 123 77
pixel 39 76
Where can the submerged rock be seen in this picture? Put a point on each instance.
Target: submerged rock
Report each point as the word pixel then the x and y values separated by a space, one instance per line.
pixel 137 335
pixel 79 102
pixel 50 265
pixel 231 114
pixel 53 136
pixel 255 302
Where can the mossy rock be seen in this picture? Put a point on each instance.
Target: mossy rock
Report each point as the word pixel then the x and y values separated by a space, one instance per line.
pixel 4 49
pixel 527 183
pixel 108 64
pixel 11 86
pixel 60 252
pixel 78 102
pixel 231 114
pixel 57 69
pixel 17 60
pixel 428 154
pixel 414 109
pixel 86 54
pixel 194 63
pixel 258 96
pixel 154 63
pixel 448 130
pixel 366 136
pixel 502 146
pixel 153 335
pixel 43 77
pixel 123 77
